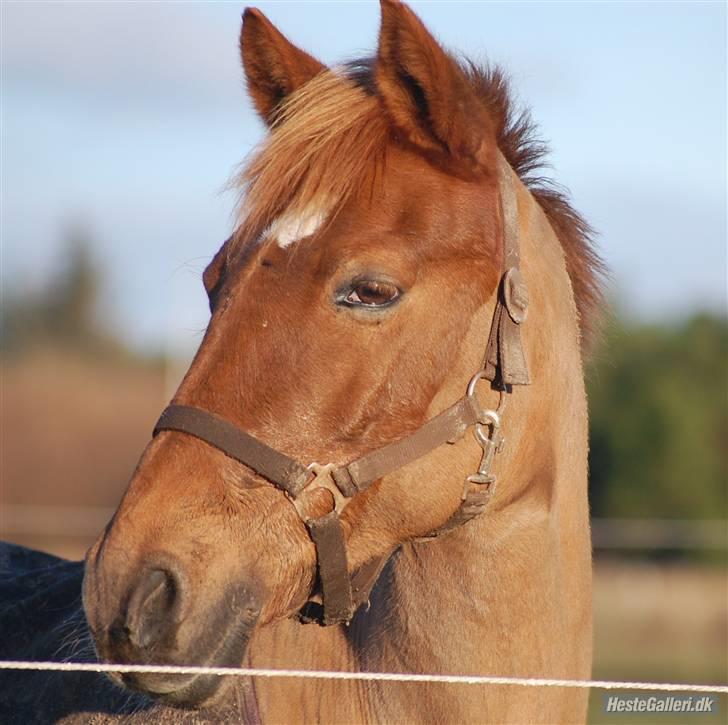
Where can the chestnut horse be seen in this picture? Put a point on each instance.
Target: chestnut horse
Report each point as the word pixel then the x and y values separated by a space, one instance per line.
pixel 351 306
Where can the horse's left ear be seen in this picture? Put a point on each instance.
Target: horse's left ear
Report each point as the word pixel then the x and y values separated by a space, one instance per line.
pixel 426 94
pixel 274 67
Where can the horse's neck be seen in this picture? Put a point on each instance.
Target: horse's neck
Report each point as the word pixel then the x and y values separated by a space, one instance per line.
pixel 507 594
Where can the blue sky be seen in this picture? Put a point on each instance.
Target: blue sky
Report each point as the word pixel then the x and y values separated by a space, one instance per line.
pixel 130 117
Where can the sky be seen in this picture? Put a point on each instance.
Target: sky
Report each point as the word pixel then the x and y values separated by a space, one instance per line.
pixel 130 117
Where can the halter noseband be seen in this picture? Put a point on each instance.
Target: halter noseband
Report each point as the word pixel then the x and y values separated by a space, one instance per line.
pixel 504 365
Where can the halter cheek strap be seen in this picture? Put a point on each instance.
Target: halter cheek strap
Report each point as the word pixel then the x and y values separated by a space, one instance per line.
pixel 504 365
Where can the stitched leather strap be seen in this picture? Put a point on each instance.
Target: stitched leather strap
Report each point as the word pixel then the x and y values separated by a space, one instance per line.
pixel 290 475
pixel 333 568
pixel 362 583
pixel 277 467
pixel 447 427
pixel 476 501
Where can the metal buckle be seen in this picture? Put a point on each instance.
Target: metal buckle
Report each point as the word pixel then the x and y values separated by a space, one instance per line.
pixel 322 478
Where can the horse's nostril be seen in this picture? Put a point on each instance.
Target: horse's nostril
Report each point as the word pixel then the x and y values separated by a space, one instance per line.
pixel 152 611
pixel 119 634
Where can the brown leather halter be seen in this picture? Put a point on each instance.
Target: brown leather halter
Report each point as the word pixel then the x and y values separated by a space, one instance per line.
pixel 504 365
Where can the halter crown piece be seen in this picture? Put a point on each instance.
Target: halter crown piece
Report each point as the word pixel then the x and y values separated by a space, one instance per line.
pixel 338 594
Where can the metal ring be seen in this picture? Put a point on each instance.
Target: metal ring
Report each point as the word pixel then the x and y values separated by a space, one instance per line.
pixel 487 416
pixel 480 375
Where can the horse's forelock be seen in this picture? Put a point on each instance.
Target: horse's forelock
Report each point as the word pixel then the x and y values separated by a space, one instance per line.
pixel 326 145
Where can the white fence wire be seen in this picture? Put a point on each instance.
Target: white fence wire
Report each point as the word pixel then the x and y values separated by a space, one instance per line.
pixel 608 534
pixel 366 676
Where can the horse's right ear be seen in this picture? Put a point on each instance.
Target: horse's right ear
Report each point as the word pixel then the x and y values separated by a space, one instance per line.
pixel 274 67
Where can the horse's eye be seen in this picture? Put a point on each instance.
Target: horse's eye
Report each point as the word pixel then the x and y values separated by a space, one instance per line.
pixel 370 293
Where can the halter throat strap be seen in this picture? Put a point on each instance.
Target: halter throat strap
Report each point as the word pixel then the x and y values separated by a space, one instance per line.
pixel 504 365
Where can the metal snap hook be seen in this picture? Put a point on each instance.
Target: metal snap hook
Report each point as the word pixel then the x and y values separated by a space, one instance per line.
pixel 487 434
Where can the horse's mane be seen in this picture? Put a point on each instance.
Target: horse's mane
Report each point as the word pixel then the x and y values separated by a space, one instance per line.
pixel 518 140
pixel 328 141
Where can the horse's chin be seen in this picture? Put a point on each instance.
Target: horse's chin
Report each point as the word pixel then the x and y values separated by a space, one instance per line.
pixel 188 691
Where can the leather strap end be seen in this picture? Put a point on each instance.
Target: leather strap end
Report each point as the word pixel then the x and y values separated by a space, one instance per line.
pixel 512 359
pixel 505 359
pixel 474 505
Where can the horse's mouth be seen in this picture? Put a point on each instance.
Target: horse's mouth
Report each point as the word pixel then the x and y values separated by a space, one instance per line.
pixel 193 690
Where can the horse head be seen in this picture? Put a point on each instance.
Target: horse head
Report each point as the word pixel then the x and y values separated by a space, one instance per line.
pixel 351 305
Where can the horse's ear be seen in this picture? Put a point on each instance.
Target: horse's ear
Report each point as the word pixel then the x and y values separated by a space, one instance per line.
pixel 426 94
pixel 274 67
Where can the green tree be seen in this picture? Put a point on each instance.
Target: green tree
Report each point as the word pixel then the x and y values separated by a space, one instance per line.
pixel 659 420
pixel 64 313
pixel 71 303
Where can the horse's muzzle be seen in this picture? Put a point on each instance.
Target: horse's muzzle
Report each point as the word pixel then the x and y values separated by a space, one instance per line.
pixel 153 622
